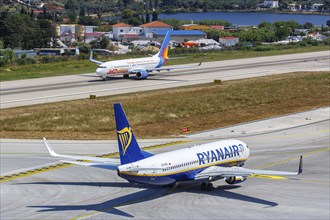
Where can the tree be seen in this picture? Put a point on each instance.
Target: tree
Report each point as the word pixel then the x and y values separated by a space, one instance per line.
pixel 87 20
pixel 282 32
pixel 100 10
pixel 154 16
pixel 6 56
pixel 127 13
pixel 82 12
pixel 71 4
pixel 12 29
pixel 291 24
pixel 308 25
pixel 94 44
pixel 175 23
pixel 156 3
pixel 147 18
pixel 1 44
pixel 215 22
pixel 216 34
pixel 104 43
pixel 265 24
pixel 142 19
pixel 46 32
pixel 72 15
pixel 135 21
pixel 21 31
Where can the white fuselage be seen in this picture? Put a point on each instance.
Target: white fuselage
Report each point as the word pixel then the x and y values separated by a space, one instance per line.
pixel 127 66
pixel 220 153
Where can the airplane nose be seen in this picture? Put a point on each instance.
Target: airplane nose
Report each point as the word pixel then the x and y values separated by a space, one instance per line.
pixel 99 71
pixel 247 151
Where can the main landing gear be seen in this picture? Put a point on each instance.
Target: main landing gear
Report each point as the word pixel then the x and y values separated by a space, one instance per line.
pixel 126 76
pixel 207 186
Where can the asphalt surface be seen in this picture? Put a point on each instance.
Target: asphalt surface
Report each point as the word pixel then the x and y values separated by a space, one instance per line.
pixel 76 192
pixel 53 89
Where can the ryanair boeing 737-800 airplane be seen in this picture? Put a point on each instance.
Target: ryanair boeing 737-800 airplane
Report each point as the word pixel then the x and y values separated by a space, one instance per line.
pixel 205 163
pixel 140 67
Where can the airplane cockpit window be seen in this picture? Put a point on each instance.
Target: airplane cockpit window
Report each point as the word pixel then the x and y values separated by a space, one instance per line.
pixel 103 67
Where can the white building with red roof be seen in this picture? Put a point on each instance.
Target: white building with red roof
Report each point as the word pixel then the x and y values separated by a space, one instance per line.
pixel 149 28
pixel 123 31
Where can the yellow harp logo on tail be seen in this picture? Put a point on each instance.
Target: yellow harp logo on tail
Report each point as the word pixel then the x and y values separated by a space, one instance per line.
pixel 125 138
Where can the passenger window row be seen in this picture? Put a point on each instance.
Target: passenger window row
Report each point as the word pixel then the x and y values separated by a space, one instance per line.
pixel 181 165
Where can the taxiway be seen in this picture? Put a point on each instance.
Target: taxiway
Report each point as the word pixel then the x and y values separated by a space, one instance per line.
pixel 76 192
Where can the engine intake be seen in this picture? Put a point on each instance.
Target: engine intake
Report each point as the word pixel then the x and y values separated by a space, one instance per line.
pixel 235 179
pixel 141 74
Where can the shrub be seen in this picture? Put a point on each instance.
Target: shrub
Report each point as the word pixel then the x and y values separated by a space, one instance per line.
pixel 6 57
pixel 83 56
pixel 25 61
pixel 327 41
pixel 47 59
pixel 264 48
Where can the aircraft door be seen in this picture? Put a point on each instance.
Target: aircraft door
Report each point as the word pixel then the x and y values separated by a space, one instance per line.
pixel 240 150
pixel 154 173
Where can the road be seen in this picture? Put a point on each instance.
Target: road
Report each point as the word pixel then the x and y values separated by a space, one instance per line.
pixel 75 192
pixel 53 89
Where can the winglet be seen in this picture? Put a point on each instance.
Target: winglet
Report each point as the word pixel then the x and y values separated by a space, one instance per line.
pixel 300 165
pixel 92 60
pixel 50 149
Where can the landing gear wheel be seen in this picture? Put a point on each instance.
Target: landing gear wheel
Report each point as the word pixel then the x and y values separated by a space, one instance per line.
pixel 104 79
pixel 203 186
pixel 126 76
pixel 209 187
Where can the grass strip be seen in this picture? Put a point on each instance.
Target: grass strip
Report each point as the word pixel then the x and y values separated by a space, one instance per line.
pixel 163 113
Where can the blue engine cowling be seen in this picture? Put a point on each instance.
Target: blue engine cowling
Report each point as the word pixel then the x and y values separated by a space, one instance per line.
pixel 235 179
pixel 142 74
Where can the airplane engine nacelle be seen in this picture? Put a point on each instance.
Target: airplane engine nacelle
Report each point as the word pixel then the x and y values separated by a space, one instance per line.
pixel 235 179
pixel 142 74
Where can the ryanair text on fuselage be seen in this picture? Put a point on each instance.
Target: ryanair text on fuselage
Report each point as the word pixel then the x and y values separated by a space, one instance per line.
pixel 219 154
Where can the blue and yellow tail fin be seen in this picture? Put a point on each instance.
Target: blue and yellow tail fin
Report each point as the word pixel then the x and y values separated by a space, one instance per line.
pixel 163 51
pixel 129 149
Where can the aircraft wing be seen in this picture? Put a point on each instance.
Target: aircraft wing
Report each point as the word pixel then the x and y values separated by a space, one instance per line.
pixel 97 162
pixel 221 172
pixel 172 68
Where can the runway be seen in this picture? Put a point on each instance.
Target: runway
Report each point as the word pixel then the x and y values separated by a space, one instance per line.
pixel 76 192
pixel 53 89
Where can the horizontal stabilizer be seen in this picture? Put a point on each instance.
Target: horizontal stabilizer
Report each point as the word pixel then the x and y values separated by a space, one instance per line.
pixel 115 162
